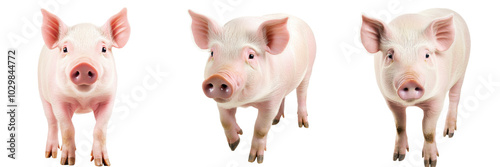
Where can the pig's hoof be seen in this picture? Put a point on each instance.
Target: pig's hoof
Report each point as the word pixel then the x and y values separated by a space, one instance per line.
pixel 400 148
pixel 257 149
pixel 430 154
pixel 98 161
pixel 51 148
pixel 52 152
pixel 234 145
pixel 68 154
pixel 231 136
pixel 280 114
pixel 276 121
pixel 449 128
pixel 260 158
pixel 303 119
pixel 398 156
pixel 67 160
pixel 303 123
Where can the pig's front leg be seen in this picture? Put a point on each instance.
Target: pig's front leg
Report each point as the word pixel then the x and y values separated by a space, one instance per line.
pixel 63 114
pixel 99 152
pixel 231 128
pixel 401 146
pixel 267 112
pixel 432 109
pixel 52 140
pixel 451 118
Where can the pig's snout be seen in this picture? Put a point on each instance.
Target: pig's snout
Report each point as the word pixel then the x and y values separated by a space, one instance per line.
pixel 410 90
pixel 217 87
pixel 83 74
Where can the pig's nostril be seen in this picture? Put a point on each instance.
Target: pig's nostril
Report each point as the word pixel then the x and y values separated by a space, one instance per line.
pixel 77 74
pixel 90 74
pixel 210 86
pixel 417 89
pixel 223 87
pixel 405 89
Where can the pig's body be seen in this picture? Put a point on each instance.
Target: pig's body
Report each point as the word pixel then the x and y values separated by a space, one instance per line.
pixel 76 74
pixel 419 58
pixel 256 61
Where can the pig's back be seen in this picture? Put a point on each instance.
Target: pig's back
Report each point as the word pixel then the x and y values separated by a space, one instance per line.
pixel 301 46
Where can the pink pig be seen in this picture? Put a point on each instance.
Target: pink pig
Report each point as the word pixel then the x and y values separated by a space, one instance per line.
pixel 419 58
pixel 255 61
pixel 76 74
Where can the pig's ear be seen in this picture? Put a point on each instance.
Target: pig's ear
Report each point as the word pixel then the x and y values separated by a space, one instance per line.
pixel 118 28
pixel 202 28
pixel 372 32
pixel 276 35
pixel 442 32
pixel 52 29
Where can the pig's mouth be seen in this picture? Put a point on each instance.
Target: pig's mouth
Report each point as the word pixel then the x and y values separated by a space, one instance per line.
pixel 221 100
pixel 84 88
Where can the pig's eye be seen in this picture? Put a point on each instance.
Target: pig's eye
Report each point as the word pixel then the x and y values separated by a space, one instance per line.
pixel 212 54
pixel 65 50
pixel 103 50
pixel 427 55
pixel 250 56
pixel 389 55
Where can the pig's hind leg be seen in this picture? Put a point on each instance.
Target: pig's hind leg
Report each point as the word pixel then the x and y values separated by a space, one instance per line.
pixel 301 100
pixel 231 128
pixel 451 118
pixel 281 113
pixel 52 140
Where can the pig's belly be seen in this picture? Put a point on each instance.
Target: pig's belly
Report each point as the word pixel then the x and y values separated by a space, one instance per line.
pixel 83 111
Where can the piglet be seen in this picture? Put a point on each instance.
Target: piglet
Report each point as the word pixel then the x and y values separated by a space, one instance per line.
pixel 419 58
pixel 76 74
pixel 255 61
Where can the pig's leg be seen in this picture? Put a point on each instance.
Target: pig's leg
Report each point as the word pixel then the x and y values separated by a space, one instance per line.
pixel 281 112
pixel 267 112
pixel 52 140
pixel 99 152
pixel 399 113
pixel 451 118
pixel 432 109
pixel 231 128
pixel 301 100
pixel 64 115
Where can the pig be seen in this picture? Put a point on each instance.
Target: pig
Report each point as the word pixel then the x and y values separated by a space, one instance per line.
pixel 255 61
pixel 76 74
pixel 418 59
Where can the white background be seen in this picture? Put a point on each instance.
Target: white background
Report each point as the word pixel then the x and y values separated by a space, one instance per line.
pixel 174 124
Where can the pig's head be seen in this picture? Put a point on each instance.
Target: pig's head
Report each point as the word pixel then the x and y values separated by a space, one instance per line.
pixel 410 47
pixel 238 57
pixel 85 58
